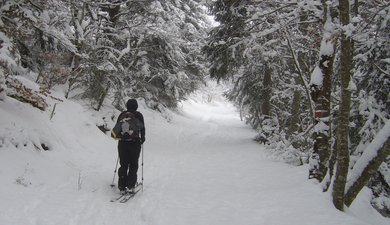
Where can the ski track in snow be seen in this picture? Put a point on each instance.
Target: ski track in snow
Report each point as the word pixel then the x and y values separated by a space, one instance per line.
pixel 201 168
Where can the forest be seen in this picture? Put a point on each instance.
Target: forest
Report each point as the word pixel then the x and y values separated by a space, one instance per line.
pixel 312 77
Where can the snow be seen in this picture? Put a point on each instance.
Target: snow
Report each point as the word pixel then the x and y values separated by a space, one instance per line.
pixel 125 50
pixel 5 52
pixel 200 167
pixel 321 127
pixel 349 29
pixel 316 77
pixel 326 49
pixel 352 86
pixel 370 153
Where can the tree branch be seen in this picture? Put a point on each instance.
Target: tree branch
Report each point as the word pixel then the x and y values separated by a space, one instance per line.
pixel 373 156
pixel 301 76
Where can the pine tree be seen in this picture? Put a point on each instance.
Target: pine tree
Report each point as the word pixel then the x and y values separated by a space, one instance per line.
pixel 223 49
pixel 370 108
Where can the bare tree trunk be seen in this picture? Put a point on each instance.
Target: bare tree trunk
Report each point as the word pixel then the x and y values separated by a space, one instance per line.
pixel 77 15
pixel 298 61
pixel 2 86
pixel 342 157
pixel 356 8
pixel 321 98
pixel 266 93
pixel 74 73
pixel 113 9
pixel 294 123
pixel 321 94
pixel 295 113
pixel 102 97
pixel 331 167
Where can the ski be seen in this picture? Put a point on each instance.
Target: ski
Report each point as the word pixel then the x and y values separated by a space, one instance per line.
pixel 127 195
pixel 121 196
pixel 130 195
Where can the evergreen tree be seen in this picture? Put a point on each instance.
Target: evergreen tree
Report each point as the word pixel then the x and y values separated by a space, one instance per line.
pixel 370 105
pixel 224 49
pixel 284 39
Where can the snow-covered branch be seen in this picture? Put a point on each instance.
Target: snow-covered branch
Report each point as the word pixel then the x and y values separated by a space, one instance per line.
pixel 375 153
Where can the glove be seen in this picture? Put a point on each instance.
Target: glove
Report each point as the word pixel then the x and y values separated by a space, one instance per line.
pixel 142 140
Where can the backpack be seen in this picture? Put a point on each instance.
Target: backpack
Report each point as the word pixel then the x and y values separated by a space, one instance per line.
pixel 127 127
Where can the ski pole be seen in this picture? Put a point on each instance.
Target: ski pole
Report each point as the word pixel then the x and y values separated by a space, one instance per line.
pixel 142 165
pixel 116 167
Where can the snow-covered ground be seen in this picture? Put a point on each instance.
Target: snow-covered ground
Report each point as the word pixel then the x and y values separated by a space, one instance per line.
pixel 200 167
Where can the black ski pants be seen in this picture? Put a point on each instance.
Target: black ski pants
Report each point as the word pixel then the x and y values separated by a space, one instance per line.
pixel 129 152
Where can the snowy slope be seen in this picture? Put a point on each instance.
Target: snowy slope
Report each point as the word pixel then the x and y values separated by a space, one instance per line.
pixel 200 168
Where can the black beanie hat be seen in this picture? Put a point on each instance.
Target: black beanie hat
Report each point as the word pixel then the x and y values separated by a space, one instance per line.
pixel 132 105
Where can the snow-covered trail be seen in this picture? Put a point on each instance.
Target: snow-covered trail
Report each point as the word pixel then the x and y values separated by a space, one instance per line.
pixel 200 168
pixel 213 173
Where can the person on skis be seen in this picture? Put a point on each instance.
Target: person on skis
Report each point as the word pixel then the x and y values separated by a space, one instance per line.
pixel 129 150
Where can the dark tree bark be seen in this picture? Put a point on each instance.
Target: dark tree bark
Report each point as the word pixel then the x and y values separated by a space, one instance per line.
pixel 342 157
pixel 77 13
pixel 295 113
pixel 266 93
pixel 321 99
pixel 321 95
pixel 102 97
